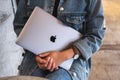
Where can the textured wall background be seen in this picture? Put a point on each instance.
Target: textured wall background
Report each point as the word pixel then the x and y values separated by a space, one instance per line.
pixel 10 53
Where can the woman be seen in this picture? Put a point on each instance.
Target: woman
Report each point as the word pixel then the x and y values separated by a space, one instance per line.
pixel 85 16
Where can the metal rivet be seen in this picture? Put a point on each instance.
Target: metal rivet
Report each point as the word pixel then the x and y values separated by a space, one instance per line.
pixel 74 74
pixel 62 9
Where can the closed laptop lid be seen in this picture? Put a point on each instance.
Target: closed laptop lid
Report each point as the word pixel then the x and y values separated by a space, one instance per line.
pixel 43 33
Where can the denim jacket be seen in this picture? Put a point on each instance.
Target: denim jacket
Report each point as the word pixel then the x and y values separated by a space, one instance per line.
pixel 85 16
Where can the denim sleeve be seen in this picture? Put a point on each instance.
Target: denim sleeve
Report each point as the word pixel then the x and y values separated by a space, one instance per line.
pixel 94 32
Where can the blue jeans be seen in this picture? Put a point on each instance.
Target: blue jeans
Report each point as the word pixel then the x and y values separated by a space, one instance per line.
pixel 78 71
pixel 59 74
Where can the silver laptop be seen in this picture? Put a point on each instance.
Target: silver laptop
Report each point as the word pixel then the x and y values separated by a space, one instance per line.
pixel 43 33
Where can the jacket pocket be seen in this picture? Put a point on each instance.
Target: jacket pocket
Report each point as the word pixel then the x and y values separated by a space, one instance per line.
pixel 74 18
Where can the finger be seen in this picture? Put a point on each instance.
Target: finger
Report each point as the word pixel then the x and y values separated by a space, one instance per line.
pixel 50 64
pixel 40 60
pixel 56 68
pixel 41 66
pixel 44 54
pixel 48 59
pixel 53 67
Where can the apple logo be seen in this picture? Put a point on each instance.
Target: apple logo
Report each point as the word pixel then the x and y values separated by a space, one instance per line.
pixel 53 38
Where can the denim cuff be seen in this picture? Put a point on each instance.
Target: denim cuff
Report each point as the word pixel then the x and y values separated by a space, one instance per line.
pixel 84 48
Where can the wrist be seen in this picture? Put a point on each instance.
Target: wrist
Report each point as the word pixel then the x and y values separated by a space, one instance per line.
pixel 77 53
pixel 67 54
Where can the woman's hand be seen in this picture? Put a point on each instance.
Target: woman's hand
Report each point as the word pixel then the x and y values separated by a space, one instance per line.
pixel 46 63
pixel 55 56
pixel 51 60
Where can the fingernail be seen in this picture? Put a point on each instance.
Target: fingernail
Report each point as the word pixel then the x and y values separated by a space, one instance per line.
pixel 51 70
pixel 56 67
pixel 40 55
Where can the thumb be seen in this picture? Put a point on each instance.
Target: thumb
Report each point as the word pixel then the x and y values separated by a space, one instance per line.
pixel 44 54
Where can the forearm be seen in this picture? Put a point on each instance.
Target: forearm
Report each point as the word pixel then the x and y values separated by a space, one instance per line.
pixel 94 31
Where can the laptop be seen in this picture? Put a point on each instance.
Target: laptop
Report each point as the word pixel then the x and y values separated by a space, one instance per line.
pixel 43 32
